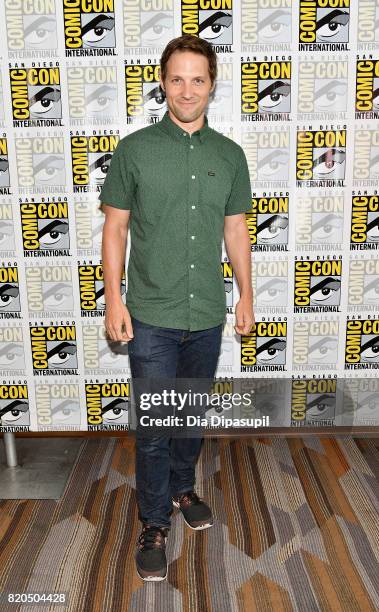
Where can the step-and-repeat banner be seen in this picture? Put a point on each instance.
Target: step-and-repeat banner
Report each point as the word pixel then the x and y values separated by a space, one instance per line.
pixel 298 88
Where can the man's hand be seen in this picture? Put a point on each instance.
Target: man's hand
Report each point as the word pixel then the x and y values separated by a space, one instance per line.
pixel 244 316
pixel 118 323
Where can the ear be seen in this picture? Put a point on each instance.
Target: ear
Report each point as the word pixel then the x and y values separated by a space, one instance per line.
pixel 161 84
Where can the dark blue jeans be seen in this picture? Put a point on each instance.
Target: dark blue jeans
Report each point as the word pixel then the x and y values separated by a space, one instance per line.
pixel 166 466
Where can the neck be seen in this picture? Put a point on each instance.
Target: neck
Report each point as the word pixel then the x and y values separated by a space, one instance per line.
pixel 190 127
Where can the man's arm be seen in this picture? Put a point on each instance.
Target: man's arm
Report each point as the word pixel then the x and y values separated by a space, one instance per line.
pixel 237 243
pixel 117 318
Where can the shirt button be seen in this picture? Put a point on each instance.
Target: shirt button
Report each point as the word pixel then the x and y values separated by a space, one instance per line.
pixel 193 176
pixel 191 295
pixel 191 146
pixel 193 237
pixel 193 207
pixel 184 133
pixel 192 266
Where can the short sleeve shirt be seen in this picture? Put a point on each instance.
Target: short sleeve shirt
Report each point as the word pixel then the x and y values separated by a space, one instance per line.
pixel 179 188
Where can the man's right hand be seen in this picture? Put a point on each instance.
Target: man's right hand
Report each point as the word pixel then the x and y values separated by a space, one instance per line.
pixel 118 323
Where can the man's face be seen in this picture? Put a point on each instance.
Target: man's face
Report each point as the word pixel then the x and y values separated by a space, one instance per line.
pixel 187 85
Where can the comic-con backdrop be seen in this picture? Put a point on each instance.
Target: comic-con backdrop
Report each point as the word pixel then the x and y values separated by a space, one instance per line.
pixel 298 88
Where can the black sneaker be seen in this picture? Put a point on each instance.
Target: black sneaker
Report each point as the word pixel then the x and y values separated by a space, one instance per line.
pixel 151 554
pixel 196 513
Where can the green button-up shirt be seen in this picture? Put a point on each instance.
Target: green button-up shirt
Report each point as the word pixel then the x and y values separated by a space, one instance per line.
pixel 178 187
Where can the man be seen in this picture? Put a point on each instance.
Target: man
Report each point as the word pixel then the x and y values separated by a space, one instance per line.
pixel 183 186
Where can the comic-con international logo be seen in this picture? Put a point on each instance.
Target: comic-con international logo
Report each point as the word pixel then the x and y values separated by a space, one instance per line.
pixel 319 222
pixel 49 289
pixel 54 349
pixel 10 305
pixel 368 25
pixel 264 348
pixel 4 166
pixel 58 405
pixel 148 25
pixel 270 285
pixel 362 344
pixel 14 407
pixel 107 406
pixel 322 89
pixel 91 158
pixel 92 94
pixel 45 228
pixel 31 28
pixel 89 221
pixel 315 345
pixel 102 356
pixel 12 355
pixel 363 292
pixel 36 96
pixel 366 156
pixel 317 285
pixel 145 99
pixel 268 156
pixel 226 358
pixel 265 90
pixel 227 274
pixel 313 401
pixel 361 405
pixel 324 25
pixel 91 288
pixel 265 24
pixel 211 20
pixel 89 27
pixel 364 233
pixel 320 158
pixel 7 235
pixel 367 89
pixel 268 223
pixel 41 163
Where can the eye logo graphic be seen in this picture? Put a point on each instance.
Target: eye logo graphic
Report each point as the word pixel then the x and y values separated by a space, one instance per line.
pixel 317 285
pixel 91 158
pixel 211 20
pixel 45 228
pixel 265 24
pixel 362 344
pixel 264 348
pixel 313 401
pixel 324 25
pixel 364 234
pixel 265 90
pixel 31 28
pixel 54 349
pixel 322 88
pixel 144 96
pixel 14 408
pixel 89 27
pixel 12 358
pixel 321 158
pixel 36 96
pixel 102 356
pixel 108 406
pixel 49 290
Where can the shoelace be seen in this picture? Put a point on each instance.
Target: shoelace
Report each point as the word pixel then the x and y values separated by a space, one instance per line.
pixel 189 498
pixel 151 537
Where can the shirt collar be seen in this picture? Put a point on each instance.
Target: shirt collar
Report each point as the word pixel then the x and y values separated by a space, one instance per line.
pixel 174 130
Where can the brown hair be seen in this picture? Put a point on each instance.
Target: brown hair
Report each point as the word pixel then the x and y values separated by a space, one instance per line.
pixel 194 44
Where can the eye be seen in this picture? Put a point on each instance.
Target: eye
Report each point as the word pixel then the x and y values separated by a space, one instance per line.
pixel 100 98
pixel 274 25
pixel 373 230
pixel 99 168
pixel 332 94
pixel 97 29
pixel 48 170
pixel 14 411
pixel 57 295
pixel 100 298
pixel 322 349
pixel 325 289
pixel 271 349
pixel 371 291
pixel 271 227
pixel 154 100
pixel 65 411
pixel 370 350
pixel 157 27
pixel 321 405
pixel 6 233
pixel 52 233
pixel 273 95
pixel 274 290
pixel 374 166
pixel 10 353
pixel 37 33
pixel 8 294
pixel 331 24
pixel 273 163
pixel 328 162
pixel 60 354
pixel 327 229
pixel 45 100
pixel 115 410
pixel 214 26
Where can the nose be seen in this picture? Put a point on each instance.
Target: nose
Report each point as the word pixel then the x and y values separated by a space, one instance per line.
pixel 187 90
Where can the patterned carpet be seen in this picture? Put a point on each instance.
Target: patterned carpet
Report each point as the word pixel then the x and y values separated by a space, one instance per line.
pixel 296 529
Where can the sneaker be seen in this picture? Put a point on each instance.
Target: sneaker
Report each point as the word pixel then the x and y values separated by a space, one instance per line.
pixel 196 513
pixel 151 554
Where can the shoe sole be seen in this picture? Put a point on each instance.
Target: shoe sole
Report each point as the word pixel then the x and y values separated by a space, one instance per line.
pixel 200 527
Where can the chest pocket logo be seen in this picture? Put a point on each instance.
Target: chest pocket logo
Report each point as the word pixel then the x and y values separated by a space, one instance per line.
pixel 211 173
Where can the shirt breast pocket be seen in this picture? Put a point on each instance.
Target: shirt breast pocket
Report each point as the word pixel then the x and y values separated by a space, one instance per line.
pixel 216 186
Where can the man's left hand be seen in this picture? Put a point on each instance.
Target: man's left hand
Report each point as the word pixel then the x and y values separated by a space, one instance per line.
pixel 244 316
